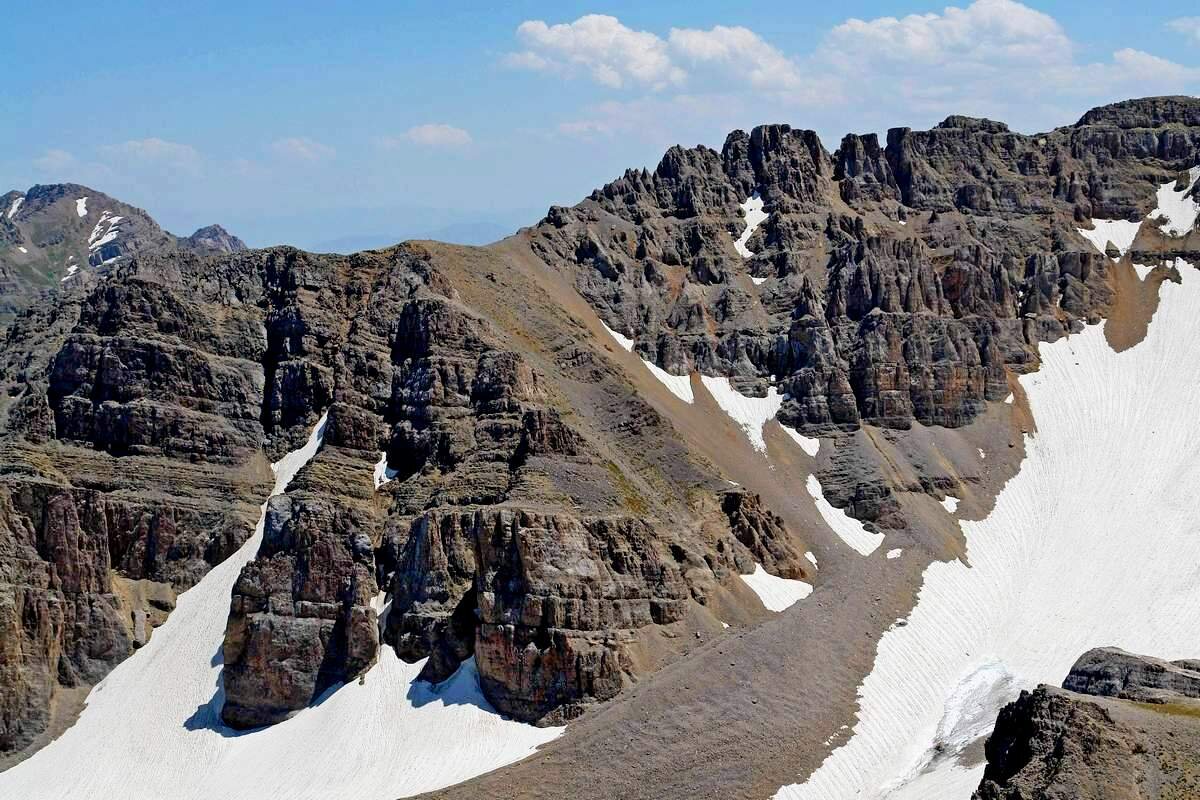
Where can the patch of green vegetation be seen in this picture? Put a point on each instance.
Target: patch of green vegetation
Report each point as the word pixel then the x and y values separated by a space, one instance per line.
pixel 1174 709
pixel 634 503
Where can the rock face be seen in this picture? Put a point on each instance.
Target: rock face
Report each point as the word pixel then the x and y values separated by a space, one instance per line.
pixel 1076 742
pixel 70 233
pixel 889 285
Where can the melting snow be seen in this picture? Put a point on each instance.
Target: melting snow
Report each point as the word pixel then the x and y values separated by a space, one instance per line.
pixel 777 594
pixel 751 413
pixel 1118 231
pixel 625 342
pixel 1175 208
pixel 384 473
pixel 16 204
pixel 807 444
pixel 1091 543
pixel 753 209
pixel 152 728
pixel 950 503
pixel 71 270
pixel 678 385
pixel 895 552
pixel 982 454
pixel 848 529
pixel 99 237
pixel 808 554
pixel 81 206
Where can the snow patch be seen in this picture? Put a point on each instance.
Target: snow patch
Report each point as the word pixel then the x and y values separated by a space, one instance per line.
pixel 751 413
pixel 625 342
pixel 678 385
pixel 777 594
pixel 16 205
pixel 1009 399
pixel 1142 271
pixel 1175 208
pixel 152 728
pixel 895 552
pixel 950 503
pixel 848 529
pixel 807 444
pixel 384 473
pixel 81 206
pixel 753 210
pixel 22 249
pixel 1091 543
pixel 808 554
pixel 982 454
pixel 757 281
pixel 71 270
pixel 99 236
pixel 1120 232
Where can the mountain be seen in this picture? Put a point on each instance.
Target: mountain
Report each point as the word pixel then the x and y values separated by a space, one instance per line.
pixel 63 232
pixel 1123 726
pixel 773 471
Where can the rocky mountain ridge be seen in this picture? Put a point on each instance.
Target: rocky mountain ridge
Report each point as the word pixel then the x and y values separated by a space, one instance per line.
pixel 495 471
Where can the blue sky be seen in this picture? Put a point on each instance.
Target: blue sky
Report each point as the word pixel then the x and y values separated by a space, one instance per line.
pixel 321 124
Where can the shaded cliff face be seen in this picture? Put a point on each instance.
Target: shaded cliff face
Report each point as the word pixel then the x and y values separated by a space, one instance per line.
pixel 1123 727
pixel 888 285
pixel 138 405
pixel 70 233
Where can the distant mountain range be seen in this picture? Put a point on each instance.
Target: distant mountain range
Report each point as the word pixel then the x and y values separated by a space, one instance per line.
pixel 66 232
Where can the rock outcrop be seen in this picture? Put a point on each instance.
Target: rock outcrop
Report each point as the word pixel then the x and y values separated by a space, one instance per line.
pixel 1123 727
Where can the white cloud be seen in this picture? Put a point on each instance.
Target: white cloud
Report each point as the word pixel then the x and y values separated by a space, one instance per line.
pixel 991 32
pixel 438 135
pixel 54 161
pixel 741 50
pixel 153 153
pixel 613 54
pixel 995 58
pixel 303 149
pixel 1189 26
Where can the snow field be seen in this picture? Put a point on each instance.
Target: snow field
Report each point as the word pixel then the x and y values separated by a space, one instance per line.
pixel 1096 541
pixel 152 728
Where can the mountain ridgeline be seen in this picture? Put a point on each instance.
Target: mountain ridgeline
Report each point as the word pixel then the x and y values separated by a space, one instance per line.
pixel 494 468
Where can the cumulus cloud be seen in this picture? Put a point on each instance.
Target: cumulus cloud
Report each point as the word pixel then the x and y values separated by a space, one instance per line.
pixel 740 50
pixel 437 135
pixel 302 148
pixel 1188 26
pixel 996 58
pixel 612 53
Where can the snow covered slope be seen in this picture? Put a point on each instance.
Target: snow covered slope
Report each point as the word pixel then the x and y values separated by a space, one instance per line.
pixel 1091 543
pixel 152 728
